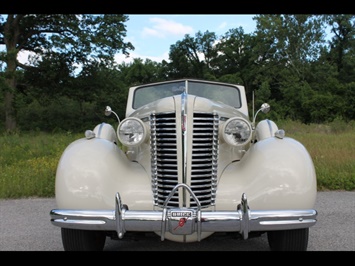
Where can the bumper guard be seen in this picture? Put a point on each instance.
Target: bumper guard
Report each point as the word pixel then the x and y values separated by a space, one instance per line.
pixel 183 221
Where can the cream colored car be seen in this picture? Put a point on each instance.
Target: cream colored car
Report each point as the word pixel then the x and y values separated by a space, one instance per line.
pixel 186 162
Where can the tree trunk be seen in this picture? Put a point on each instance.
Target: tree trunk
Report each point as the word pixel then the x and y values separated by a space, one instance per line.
pixel 10 116
pixel 11 33
pixel 9 99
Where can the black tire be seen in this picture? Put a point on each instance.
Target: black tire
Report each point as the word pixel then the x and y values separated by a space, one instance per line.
pixel 82 240
pixel 288 240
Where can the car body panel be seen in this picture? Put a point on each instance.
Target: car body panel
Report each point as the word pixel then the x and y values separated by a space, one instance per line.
pixel 191 166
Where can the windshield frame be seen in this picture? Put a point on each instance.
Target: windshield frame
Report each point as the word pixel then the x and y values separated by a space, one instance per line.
pixel 220 92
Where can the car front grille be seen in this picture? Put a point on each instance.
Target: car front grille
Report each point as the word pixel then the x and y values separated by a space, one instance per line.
pixel 201 159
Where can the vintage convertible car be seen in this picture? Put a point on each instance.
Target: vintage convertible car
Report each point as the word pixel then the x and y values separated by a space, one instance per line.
pixel 186 162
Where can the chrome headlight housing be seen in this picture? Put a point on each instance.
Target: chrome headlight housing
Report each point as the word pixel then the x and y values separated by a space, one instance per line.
pixel 237 131
pixel 131 131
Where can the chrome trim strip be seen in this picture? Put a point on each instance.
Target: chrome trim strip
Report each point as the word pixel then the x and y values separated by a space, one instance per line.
pixel 242 220
pixel 270 127
pixel 184 138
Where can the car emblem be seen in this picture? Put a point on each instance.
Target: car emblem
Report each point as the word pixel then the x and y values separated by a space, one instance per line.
pixel 183 126
pixel 184 216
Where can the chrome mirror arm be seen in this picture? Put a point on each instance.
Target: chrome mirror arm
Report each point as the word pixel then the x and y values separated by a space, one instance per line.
pixel 108 112
pixel 265 108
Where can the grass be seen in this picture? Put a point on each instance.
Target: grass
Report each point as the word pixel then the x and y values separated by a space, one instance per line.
pixel 28 161
pixel 332 148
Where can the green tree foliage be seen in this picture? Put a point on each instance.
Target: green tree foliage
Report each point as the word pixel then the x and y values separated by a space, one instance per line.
pixel 236 55
pixel 77 38
pixel 80 103
pixel 287 61
pixel 192 57
pixel 139 72
pixel 292 43
pixel 342 45
pixel 349 97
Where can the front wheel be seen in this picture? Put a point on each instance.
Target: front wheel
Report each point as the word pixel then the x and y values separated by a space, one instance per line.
pixel 82 240
pixel 288 240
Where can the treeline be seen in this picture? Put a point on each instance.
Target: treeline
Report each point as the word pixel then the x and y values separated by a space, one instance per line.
pixel 302 65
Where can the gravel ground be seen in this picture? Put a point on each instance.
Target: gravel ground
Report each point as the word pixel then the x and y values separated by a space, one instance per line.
pixel 25 226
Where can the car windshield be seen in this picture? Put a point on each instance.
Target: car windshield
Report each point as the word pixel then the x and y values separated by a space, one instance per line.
pixel 223 93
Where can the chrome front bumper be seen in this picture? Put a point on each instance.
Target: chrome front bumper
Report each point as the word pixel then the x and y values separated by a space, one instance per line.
pixel 183 221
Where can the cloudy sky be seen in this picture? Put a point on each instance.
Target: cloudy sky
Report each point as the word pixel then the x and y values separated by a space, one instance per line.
pixel 152 35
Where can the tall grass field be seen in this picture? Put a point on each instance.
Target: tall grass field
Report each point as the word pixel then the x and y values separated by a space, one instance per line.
pixel 28 161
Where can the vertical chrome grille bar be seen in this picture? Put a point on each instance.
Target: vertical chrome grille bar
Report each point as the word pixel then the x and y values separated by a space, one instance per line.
pixel 153 157
pixel 215 152
pixel 204 158
pixel 164 165
pixel 204 164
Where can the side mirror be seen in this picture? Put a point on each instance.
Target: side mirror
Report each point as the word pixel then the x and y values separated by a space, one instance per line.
pixel 108 111
pixel 265 108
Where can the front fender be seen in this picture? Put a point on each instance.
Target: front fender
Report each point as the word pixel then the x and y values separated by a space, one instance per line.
pixel 274 174
pixel 91 171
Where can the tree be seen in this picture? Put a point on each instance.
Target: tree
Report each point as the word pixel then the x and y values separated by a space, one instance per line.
pixel 77 37
pixel 192 57
pixel 288 44
pixel 294 40
pixel 342 44
pixel 139 72
pixel 237 55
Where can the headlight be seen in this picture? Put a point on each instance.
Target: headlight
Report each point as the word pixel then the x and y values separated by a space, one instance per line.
pixel 237 131
pixel 131 132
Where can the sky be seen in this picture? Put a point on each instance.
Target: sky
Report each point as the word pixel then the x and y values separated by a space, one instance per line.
pixel 152 35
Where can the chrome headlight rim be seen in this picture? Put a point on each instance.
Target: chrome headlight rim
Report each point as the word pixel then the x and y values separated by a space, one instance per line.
pixel 139 129
pixel 245 131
